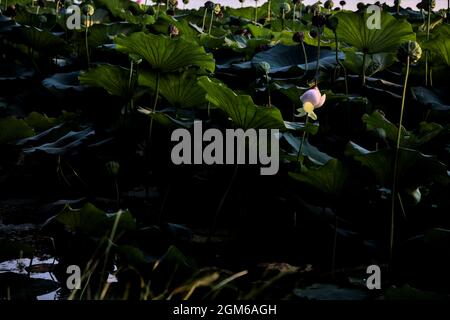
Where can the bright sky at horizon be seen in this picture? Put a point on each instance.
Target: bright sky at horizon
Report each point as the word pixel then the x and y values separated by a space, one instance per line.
pixel 351 4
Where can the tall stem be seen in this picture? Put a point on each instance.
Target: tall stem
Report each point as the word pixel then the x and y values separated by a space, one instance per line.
pixel 269 10
pixel 318 56
pixel 363 72
pixel 256 11
pixel 155 102
pixel 86 40
pixel 428 38
pixel 268 89
pixel 300 149
pixel 396 158
pixel 204 19
pixel 222 202
pixel 211 22
pixel 339 61
pixel 305 57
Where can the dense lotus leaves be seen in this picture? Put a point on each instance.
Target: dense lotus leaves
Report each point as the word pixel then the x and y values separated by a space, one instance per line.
pixel 408 293
pixel 352 30
pixel 241 108
pixel 165 54
pixel 312 128
pixel 13 129
pixel 315 155
pixel 431 98
pixel 59 83
pixel 322 291
pixel 114 79
pixel 100 34
pixel 427 131
pixel 14 249
pixel 180 89
pixel 22 287
pixel 124 9
pixel 290 59
pixel 381 164
pixel 166 120
pixel 67 144
pixel 12 71
pixel 185 28
pixel 40 122
pixel 374 62
pixel 92 221
pixel 329 178
pixel 40 40
pixel 440 49
pixel 6 24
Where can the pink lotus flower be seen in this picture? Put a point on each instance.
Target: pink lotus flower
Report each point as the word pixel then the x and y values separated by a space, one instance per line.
pixel 311 99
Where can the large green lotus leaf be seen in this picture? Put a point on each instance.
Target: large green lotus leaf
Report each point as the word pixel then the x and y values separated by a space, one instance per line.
pixel 426 132
pixel 165 54
pixel 352 29
pixel 241 108
pixel 440 49
pixel 123 9
pixel 93 221
pixel 40 122
pixel 316 156
pixel 330 178
pixel 431 98
pixel 114 79
pixel 13 129
pixel 374 62
pixel 415 168
pixel 40 40
pixel 101 33
pixel 180 89
pixel 282 59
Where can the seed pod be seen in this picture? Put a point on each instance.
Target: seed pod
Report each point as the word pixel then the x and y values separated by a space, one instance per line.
pixel 409 49
pixel 285 7
pixel 112 168
pixel 298 37
pixel 328 5
pixel 332 23
pixel 319 20
pixel 262 67
pixel 427 3
pixel 209 5
pixel 88 10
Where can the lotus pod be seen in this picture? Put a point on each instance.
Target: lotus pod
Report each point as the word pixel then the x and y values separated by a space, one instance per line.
pixel 112 168
pixel 298 37
pixel 88 10
pixel 285 7
pixel 409 49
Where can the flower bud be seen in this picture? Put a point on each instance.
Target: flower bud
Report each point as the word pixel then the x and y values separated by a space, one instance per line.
pixel 298 37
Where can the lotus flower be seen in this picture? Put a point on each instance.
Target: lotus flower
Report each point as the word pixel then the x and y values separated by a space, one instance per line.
pixel 311 99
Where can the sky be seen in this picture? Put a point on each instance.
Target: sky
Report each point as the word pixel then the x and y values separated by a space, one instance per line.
pixel 351 4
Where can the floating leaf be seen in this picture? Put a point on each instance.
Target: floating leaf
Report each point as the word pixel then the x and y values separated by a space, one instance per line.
pixel 165 54
pixel 352 29
pixel 240 108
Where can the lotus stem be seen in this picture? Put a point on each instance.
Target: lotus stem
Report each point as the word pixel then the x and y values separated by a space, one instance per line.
pixel 282 19
pixel 204 19
pixel 155 103
pixel 222 202
pixel 339 62
pixel 211 22
pixel 256 11
pixel 305 57
pixel 86 41
pixel 293 13
pixel 396 158
pixel 269 10
pixel 318 56
pixel 268 89
pixel 300 149
pixel 363 74
pixel 428 38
